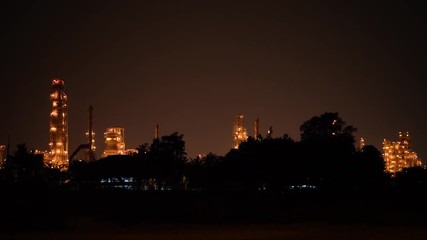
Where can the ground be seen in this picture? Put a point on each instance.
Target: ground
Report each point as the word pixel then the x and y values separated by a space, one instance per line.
pixel 86 230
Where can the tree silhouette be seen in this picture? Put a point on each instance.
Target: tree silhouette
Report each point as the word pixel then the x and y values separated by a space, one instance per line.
pixel 160 165
pixel 412 179
pixel 326 125
pixel 24 167
pixel 327 149
pixel 166 160
pixel 369 169
pixel 266 165
pixel 206 172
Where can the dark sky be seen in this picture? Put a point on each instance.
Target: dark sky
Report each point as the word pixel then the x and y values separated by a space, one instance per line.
pixel 192 66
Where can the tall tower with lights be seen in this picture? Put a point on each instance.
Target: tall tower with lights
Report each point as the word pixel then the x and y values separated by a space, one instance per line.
pixel 58 123
pixel 239 131
pixel 90 134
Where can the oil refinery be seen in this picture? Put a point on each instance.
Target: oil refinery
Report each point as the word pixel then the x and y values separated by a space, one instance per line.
pixel 58 132
pixel 399 155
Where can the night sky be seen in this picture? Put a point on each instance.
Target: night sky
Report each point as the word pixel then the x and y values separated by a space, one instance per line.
pixel 192 66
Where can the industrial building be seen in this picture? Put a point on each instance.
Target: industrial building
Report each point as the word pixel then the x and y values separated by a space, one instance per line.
pixel 114 141
pixel 58 131
pixel 239 134
pixel 399 155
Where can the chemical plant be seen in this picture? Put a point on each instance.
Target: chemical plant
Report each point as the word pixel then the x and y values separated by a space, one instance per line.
pixel 397 155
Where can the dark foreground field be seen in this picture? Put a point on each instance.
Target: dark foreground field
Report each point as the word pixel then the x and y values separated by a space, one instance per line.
pixel 198 215
pixel 235 232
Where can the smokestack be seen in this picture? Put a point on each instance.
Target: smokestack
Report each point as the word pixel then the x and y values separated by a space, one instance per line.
pixel 156 132
pixel 90 135
pixel 256 128
pixel 90 125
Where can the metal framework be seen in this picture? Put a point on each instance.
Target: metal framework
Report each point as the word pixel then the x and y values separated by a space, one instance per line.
pixel 90 134
pixel 239 131
pixel 58 123
pixel 398 155
pixel 114 141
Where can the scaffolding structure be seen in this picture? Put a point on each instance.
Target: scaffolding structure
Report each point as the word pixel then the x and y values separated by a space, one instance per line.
pixel 58 131
pixel 90 134
pixel 90 151
pixel 399 155
pixel 239 131
pixel 114 141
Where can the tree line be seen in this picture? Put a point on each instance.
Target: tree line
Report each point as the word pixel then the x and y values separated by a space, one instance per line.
pixel 325 159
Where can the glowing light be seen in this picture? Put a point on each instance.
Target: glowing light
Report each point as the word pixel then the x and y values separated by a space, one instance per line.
pixel 239 131
pixel 58 131
pixel 398 155
pixel 115 142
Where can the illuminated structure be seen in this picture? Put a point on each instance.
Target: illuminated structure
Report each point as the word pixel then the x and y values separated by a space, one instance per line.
pixel 269 133
pixel 239 131
pixel 2 155
pixel 90 152
pixel 90 134
pixel 58 123
pixel 114 141
pixel 361 143
pixel 89 147
pixel 398 155
pixel 47 157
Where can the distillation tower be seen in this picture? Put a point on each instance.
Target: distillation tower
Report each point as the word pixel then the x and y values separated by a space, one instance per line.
pixel 239 131
pixel 58 123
